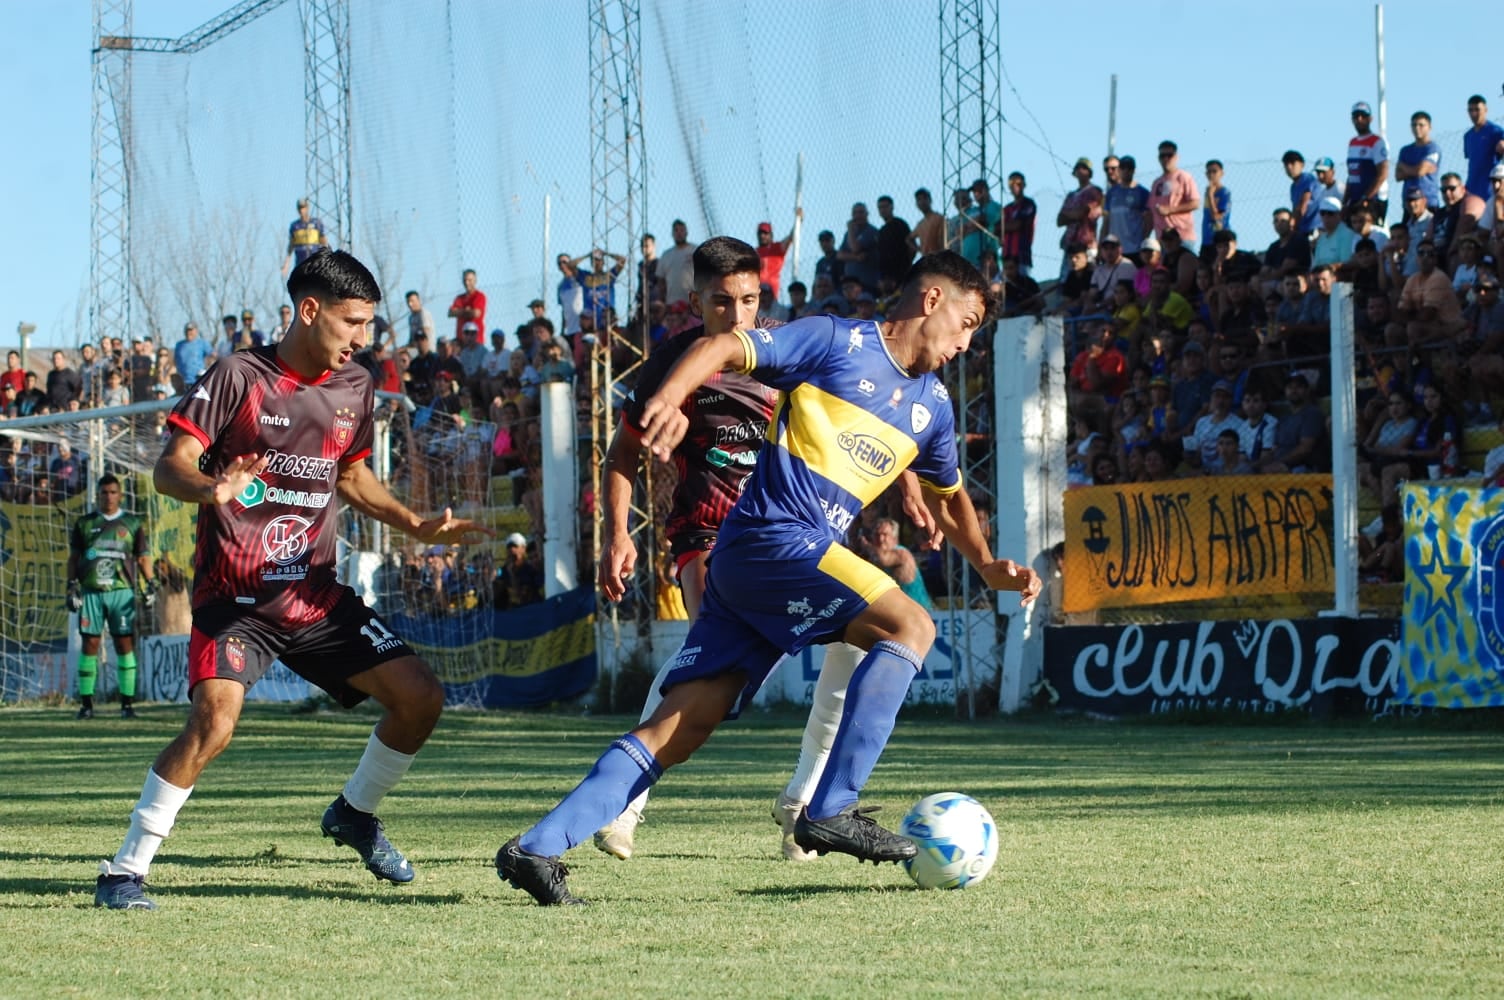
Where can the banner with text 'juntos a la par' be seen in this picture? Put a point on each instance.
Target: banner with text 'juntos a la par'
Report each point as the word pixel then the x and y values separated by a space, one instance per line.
pixel 1214 537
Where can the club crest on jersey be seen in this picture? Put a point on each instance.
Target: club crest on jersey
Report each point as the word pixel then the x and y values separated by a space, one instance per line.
pixel 919 418
pixel 866 387
pixel 235 653
pixel 344 425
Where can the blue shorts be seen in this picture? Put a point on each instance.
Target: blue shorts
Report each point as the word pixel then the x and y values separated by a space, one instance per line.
pixel 772 595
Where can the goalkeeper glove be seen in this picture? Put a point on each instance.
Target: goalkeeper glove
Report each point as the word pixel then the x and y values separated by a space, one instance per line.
pixel 75 596
pixel 149 594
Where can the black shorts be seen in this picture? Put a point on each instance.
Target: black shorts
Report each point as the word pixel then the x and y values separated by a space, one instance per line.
pixel 686 545
pixel 230 642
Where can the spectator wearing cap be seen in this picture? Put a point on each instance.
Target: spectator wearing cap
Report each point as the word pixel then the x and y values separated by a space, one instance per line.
pixel 1334 241
pixel 1216 212
pixel 1367 164
pixel 305 237
pixel 858 253
pixel 538 309
pixel 469 306
pixel 422 369
pixel 1150 258
pixel 1329 186
pixel 192 353
pixel 1112 267
pixel 1174 196
pixel 893 253
pixel 1305 193
pixel 829 264
pixel 519 581
pixel 419 319
pixel 771 253
pixel 1299 437
pixel 1125 205
pixel 1483 146
pixel 1079 212
pixel 1201 443
pixel 1418 165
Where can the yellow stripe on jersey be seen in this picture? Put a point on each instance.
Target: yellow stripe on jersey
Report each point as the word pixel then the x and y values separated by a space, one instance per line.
pixel 749 358
pixel 844 565
pixel 859 452
pixel 944 491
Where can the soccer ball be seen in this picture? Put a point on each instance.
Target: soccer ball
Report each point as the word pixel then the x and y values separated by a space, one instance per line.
pixel 957 841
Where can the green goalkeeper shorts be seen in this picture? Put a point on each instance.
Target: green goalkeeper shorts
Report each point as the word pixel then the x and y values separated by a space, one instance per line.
pixel 115 608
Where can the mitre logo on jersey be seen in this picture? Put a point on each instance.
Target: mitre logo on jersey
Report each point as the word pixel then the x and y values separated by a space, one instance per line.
pixel 235 653
pixel 275 420
pixel 344 425
pixel 919 418
pixel 868 453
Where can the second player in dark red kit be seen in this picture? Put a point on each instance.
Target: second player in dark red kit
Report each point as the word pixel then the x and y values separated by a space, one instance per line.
pixel 264 442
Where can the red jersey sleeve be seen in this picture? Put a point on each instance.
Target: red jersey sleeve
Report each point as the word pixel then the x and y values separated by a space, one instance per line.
pixel 208 407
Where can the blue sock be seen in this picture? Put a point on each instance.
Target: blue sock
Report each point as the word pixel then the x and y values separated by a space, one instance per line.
pixel 873 698
pixel 621 774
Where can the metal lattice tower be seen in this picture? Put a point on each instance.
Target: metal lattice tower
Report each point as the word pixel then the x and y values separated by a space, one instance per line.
pixel 326 88
pixel 971 127
pixel 617 207
pixel 110 222
pixel 326 40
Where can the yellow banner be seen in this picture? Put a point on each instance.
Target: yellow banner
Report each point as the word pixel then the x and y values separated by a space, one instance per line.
pixel 1197 539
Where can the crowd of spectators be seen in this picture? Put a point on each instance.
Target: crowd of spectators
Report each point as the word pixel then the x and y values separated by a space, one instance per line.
pixel 1189 353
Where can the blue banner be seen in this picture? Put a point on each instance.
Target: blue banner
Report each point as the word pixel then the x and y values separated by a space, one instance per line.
pixel 508 659
pixel 1454 604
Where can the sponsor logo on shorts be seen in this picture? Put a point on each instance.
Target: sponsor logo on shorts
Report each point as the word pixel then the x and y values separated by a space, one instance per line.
pixel 868 453
pixel 686 657
pixel 799 608
pixel 811 620
pixel 919 418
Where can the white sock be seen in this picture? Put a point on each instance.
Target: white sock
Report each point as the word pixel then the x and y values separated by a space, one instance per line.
pixel 151 822
pixel 841 661
pixel 378 772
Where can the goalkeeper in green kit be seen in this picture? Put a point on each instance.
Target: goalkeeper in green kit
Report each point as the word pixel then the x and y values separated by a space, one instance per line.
pixel 106 552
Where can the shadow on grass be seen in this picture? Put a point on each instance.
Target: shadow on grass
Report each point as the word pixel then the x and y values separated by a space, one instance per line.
pixel 14 892
pixel 795 892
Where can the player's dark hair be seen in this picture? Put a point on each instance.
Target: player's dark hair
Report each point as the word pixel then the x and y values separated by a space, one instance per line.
pixel 923 191
pixel 411 293
pixel 723 256
pixel 950 266
pixel 1421 114
pixel 333 276
pixel 1215 163
pixel 108 479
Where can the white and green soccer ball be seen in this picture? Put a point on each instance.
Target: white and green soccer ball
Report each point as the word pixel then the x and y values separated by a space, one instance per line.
pixel 956 838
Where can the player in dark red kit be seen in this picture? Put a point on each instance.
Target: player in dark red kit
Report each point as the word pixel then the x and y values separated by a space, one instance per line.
pixel 263 442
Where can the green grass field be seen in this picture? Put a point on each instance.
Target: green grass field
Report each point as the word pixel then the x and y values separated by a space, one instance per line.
pixel 1138 860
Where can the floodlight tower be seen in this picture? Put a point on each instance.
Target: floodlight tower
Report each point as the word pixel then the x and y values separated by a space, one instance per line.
pixel 110 222
pixel 617 208
pixel 971 126
pixel 326 123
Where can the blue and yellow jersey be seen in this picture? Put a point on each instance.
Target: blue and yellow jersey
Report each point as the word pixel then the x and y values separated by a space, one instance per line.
pixel 848 421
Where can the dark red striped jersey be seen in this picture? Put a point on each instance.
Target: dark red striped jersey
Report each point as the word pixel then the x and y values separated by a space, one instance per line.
pixel 272 548
pixel 728 420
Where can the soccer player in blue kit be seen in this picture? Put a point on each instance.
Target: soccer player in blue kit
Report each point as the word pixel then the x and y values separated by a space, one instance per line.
pixel 860 403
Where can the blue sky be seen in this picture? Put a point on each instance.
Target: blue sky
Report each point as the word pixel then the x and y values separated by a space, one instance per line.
pixel 1237 82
